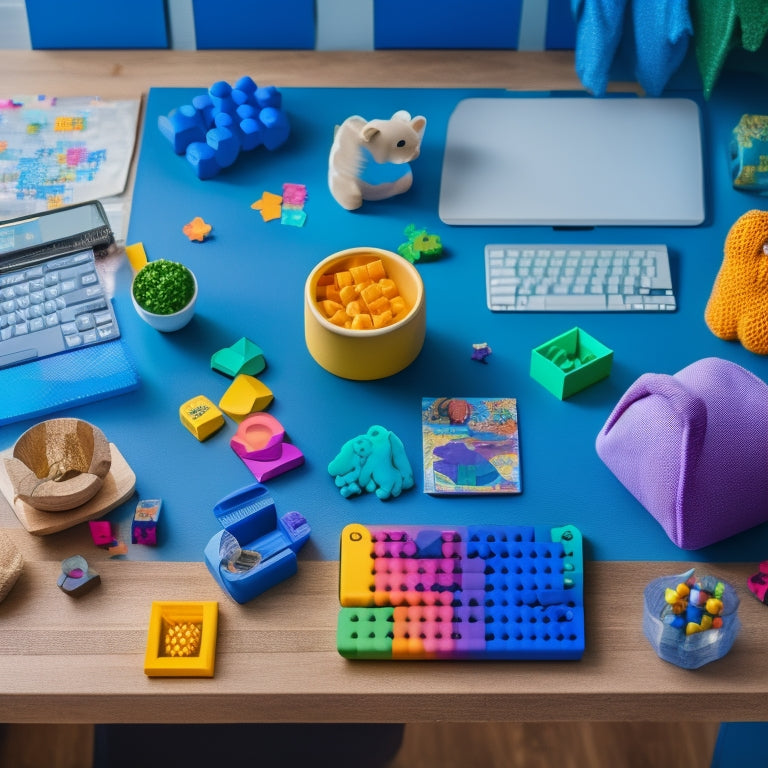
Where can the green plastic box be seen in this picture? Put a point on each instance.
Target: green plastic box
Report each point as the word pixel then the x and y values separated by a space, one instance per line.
pixel 570 362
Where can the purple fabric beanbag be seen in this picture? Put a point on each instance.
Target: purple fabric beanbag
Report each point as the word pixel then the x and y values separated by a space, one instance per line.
pixel 692 448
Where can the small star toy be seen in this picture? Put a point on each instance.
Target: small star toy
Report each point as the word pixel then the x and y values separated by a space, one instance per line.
pixel 197 229
pixel 270 206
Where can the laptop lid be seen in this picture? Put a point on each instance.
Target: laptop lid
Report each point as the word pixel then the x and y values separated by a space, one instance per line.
pixel 577 161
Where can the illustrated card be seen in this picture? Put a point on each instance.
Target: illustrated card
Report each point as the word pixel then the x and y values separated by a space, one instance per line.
pixel 470 445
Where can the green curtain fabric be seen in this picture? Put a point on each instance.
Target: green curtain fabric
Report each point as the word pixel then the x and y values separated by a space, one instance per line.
pixel 722 26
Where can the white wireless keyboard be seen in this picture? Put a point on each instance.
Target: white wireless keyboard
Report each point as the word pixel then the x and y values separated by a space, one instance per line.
pixel 578 278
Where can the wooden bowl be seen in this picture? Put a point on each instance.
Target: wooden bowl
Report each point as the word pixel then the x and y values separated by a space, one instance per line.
pixel 59 464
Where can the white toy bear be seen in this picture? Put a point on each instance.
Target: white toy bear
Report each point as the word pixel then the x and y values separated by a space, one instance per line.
pixel 369 160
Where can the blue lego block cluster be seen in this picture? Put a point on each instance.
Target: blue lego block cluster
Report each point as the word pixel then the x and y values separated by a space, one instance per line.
pixel 255 550
pixel 217 126
pixel 463 592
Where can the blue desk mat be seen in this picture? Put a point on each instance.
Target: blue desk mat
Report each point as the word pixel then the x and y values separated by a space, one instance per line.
pixel 251 277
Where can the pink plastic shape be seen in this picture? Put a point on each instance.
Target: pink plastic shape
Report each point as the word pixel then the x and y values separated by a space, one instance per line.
pixel 101 533
pixel 260 443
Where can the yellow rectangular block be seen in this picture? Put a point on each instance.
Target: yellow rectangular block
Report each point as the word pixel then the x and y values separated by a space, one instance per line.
pixel 137 256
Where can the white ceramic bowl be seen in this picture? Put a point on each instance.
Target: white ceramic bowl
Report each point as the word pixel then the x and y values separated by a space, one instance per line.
pixel 172 322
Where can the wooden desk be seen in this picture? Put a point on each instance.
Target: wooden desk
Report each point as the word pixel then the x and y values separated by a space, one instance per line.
pixel 65 660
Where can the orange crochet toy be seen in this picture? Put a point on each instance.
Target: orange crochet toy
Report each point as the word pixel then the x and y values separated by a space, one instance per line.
pixel 738 305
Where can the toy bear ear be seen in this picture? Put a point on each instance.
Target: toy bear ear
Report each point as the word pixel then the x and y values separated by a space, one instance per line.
pixel 369 131
pixel 419 124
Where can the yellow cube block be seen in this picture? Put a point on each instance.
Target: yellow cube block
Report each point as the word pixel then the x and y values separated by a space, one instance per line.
pixel 201 417
pixel 354 308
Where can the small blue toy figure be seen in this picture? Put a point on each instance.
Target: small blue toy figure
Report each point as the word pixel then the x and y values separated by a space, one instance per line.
pixel 369 160
pixel 481 351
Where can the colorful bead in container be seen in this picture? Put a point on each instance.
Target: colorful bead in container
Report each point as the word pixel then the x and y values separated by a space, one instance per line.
pixel 690 621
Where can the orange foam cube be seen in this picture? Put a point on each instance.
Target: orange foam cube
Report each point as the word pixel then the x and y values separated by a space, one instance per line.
pixel 388 287
pixel 330 307
pixel 382 319
pixel 359 274
pixel 362 322
pixel 340 318
pixel 332 293
pixel 371 293
pixel 376 270
pixel 380 305
pixel 347 294
pixel 354 308
pixel 398 305
pixel 343 278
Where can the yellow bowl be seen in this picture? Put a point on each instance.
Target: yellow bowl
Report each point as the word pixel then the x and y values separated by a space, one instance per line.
pixel 366 354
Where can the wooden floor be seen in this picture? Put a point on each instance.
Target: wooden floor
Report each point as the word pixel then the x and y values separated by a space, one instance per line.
pixel 445 745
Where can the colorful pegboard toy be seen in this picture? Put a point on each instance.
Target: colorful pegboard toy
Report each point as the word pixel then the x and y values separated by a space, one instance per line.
pixel 461 592
pixel 227 120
